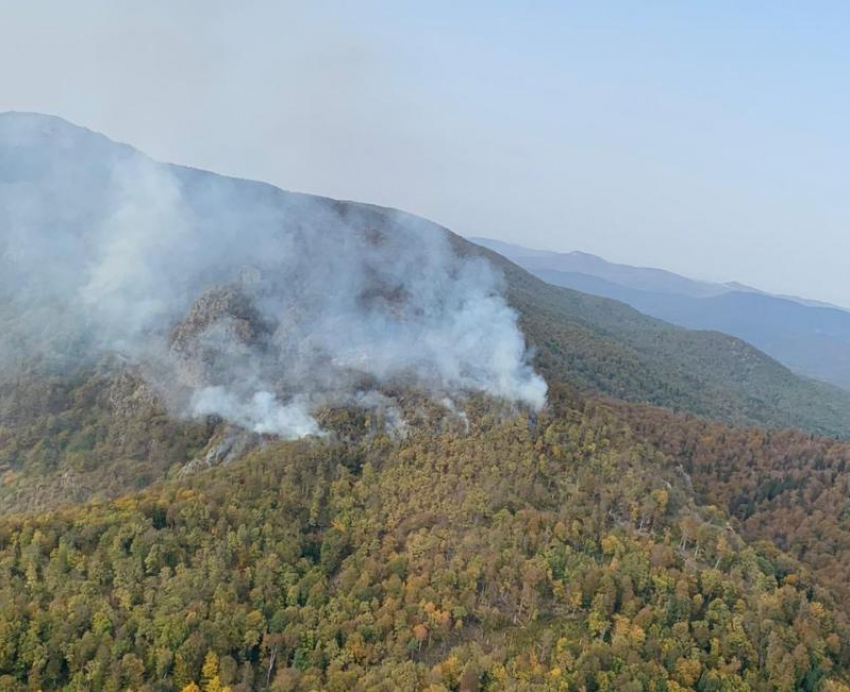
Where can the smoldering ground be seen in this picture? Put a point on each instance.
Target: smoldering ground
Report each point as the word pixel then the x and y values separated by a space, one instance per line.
pixel 239 299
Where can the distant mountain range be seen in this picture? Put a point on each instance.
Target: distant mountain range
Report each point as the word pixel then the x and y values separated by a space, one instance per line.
pixel 810 337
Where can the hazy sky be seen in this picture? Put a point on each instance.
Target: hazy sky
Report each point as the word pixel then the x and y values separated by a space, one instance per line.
pixel 707 138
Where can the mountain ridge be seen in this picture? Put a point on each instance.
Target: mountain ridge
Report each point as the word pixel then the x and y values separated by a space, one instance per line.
pixel 641 278
pixel 416 543
pixel 811 338
pixel 599 345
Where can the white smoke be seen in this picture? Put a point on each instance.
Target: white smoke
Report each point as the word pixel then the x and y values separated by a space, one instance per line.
pixel 319 301
pixel 262 414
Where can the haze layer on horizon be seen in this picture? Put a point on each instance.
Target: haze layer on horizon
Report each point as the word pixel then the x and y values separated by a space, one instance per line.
pixel 705 139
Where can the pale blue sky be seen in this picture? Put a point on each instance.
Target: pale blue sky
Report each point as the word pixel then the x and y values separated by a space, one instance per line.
pixel 705 138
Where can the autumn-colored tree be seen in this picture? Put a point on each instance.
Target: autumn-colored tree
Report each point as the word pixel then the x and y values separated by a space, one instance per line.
pixel 567 554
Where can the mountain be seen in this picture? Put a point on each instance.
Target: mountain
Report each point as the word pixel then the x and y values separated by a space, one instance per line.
pixel 485 554
pixel 257 440
pixel 148 368
pixel 811 338
pixel 604 346
pixel 640 278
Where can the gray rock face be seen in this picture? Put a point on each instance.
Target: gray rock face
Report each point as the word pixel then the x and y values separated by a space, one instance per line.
pixel 234 444
pixel 222 328
pixel 128 394
pixel 226 304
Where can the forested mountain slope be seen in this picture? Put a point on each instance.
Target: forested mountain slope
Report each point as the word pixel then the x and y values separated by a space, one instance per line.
pixel 92 433
pixel 413 538
pixel 810 338
pixel 608 347
pixel 491 555
pixel 100 432
pixel 88 182
pixel 781 486
pixel 95 429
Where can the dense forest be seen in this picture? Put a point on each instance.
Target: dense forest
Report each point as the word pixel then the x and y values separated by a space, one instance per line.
pixel 603 346
pixel 69 437
pixel 783 486
pixel 495 552
pixel 600 545
pixel 629 535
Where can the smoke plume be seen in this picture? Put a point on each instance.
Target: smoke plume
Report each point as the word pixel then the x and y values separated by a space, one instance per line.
pixel 239 299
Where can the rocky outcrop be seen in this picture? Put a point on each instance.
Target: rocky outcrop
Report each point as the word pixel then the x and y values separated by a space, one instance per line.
pixel 222 328
pixel 234 443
